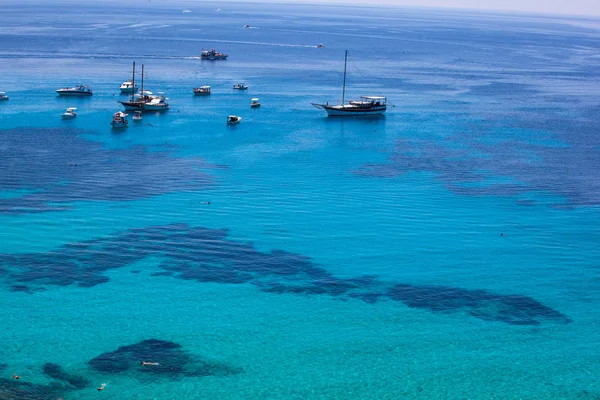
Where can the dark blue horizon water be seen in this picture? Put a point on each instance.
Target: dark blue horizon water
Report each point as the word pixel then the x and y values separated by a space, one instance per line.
pixel 448 249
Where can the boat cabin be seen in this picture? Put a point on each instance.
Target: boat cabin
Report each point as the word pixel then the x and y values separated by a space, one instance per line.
pixel 369 101
pixel 202 90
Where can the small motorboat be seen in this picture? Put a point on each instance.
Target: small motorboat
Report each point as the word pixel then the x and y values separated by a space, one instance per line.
pixel 254 103
pixel 119 120
pixel 240 86
pixel 320 46
pixel 137 115
pixel 247 26
pixel 233 119
pixel 3 96
pixel 212 55
pixel 80 90
pixel 128 87
pixel 202 90
pixel 70 113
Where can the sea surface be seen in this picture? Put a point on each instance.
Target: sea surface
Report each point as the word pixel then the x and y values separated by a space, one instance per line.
pixel 447 250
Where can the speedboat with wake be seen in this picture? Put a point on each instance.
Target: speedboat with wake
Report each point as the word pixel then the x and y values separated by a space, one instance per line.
pixel 212 54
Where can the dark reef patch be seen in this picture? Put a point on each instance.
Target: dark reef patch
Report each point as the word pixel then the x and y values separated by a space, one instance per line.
pixel 531 153
pixel 55 371
pixel 21 288
pixel 207 255
pixel 511 309
pixel 171 358
pixel 11 389
pixel 73 169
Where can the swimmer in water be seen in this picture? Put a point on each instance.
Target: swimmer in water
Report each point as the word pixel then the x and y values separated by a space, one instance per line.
pixel 15 376
pixel 102 387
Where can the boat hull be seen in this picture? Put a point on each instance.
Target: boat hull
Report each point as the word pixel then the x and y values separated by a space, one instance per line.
pixel 132 105
pixel 337 111
pixel 212 58
pixel 148 107
pixel 69 116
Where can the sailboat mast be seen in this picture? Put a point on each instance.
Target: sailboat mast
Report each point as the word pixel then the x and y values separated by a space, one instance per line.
pixel 142 81
pixel 344 86
pixel 133 82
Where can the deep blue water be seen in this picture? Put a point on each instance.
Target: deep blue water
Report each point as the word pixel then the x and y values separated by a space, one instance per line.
pixel 448 250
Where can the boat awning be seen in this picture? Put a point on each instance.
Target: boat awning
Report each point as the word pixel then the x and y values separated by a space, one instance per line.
pixel 373 97
pixel 254 99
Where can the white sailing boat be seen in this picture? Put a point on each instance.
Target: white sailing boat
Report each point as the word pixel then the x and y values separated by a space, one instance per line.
pixel 367 105
pixel 135 102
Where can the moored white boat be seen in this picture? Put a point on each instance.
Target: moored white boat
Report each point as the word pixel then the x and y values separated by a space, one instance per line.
pixel 137 101
pixel 202 90
pixel 80 90
pixel 137 115
pixel 70 113
pixel 119 120
pixel 157 103
pixel 233 119
pixel 254 103
pixel 367 105
pixel 240 86
pixel 128 87
pixel 3 96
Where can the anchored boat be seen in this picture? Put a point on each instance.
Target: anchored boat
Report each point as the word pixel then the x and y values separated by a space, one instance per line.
pixel 119 120
pixel 367 105
pixel 70 113
pixel 80 90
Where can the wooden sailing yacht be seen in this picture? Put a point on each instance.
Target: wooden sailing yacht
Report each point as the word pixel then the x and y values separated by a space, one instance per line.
pixel 367 105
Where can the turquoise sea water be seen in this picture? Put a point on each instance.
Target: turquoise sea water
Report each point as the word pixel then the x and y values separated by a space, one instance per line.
pixel 448 250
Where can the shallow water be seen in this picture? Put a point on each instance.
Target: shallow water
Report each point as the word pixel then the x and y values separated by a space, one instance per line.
pixel 445 250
